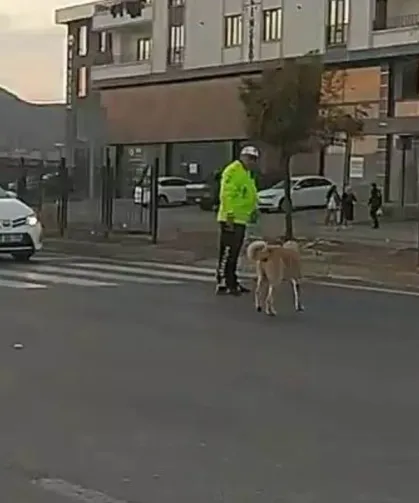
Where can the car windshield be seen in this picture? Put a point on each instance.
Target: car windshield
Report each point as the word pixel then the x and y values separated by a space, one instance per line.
pixel 281 185
pixel 3 194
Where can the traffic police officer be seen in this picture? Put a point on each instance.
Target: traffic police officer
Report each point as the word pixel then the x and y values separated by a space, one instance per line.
pixel 238 204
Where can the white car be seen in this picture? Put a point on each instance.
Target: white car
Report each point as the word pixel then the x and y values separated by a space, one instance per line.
pixel 306 192
pixel 20 229
pixel 171 191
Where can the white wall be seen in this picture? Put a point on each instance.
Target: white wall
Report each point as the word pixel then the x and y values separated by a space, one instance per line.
pixel 204 33
pixel 160 36
pixel 303 28
pixel 361 21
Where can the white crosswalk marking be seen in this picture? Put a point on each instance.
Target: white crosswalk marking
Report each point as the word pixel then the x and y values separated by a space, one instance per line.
pixel 8 283
pixel 29 276
pixel 42 274
pixel 103 275
pixel 152 270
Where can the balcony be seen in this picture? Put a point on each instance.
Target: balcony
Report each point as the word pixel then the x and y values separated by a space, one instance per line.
pixel 397 30
pixel 120 71
pixel 120 68
pixel 104 20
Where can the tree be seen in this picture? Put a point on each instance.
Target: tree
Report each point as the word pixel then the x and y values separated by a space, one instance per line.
pixel 282 112
pixel 338 120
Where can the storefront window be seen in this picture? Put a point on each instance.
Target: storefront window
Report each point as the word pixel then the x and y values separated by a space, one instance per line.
pixel 199 160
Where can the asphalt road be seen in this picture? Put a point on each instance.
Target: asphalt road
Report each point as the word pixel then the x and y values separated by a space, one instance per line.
pixel 164 394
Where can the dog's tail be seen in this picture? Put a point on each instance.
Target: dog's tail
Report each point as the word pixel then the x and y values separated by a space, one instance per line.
pixel 291 245
pixel 255 248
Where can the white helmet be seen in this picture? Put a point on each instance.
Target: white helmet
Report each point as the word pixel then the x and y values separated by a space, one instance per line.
pixel 250 150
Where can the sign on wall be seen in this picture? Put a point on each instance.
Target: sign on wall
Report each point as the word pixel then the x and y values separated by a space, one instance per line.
pixel 356 167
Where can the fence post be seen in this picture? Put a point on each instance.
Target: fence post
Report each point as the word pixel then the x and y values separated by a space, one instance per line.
pixel 41 194
pixel 110 194
pixel 103 190
pixel 62 208
pixel 154 201
pixel 21 183
pixel 107 195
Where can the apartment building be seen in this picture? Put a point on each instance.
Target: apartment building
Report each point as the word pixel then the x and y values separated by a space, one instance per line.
pixel 160 77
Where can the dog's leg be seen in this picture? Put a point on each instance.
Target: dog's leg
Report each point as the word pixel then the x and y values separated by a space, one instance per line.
pixel 258 293
pixel 269 304
pixel 297 297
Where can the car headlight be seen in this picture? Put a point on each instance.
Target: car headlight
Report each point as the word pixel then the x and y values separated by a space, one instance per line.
pixel 31 220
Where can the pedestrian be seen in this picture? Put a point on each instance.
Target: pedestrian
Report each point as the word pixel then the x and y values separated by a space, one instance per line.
pixel 332 206
pixel 347 206
pixel 238 205
pixel 375 203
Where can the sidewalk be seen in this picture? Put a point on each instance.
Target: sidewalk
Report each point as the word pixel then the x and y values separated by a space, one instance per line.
pixel 310 225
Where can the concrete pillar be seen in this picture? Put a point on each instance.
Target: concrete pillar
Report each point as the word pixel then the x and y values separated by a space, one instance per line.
pixel 386 109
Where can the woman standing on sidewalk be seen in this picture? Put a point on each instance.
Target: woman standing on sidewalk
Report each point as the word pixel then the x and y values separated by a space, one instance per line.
pixel 348 204
pixel 332 206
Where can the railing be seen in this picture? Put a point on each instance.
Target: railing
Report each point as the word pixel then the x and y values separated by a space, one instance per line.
pixel 175 56
pixel 106 5
pixel 406 21
pixel 337 34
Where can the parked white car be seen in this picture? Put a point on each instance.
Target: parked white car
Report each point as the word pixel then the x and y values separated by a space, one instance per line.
pixel 20 229
pixel 171 191
pixel 306 192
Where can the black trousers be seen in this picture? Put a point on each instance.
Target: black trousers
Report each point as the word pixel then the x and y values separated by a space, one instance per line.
pixel 231 241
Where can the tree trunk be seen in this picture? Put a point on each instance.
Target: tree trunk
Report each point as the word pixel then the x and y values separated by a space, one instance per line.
pixel 322 161
pixel 286 164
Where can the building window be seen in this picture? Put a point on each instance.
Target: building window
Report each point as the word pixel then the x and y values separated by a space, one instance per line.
pixel 409 75
pixel 271 25
pixel 82 41
pixel 233 30
pixel 82 82
pixel 143 49
pixel 176 45
pixel 381 9
pixel 338 22
pixel 104 41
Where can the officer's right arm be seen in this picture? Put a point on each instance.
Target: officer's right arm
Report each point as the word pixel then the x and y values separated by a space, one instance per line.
pixel 228 191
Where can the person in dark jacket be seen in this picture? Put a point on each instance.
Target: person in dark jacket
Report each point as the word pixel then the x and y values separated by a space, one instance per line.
pixel 375 203
pixel 348 204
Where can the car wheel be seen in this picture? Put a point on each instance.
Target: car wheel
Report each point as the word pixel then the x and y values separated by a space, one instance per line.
pixel 281 206
pixel 23 256
pixel 162 200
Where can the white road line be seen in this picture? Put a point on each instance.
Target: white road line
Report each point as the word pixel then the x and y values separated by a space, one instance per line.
pixel 337 281
pixel 29 276
pixel 74 492
pixel 181 267
pixel 206 275
pixel 103 275
pixel 143 271
pixel 20 285
pixel 174 267
pixel 365 288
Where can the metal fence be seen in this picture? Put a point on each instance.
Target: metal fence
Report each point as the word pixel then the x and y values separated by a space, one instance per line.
pixel 71 212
